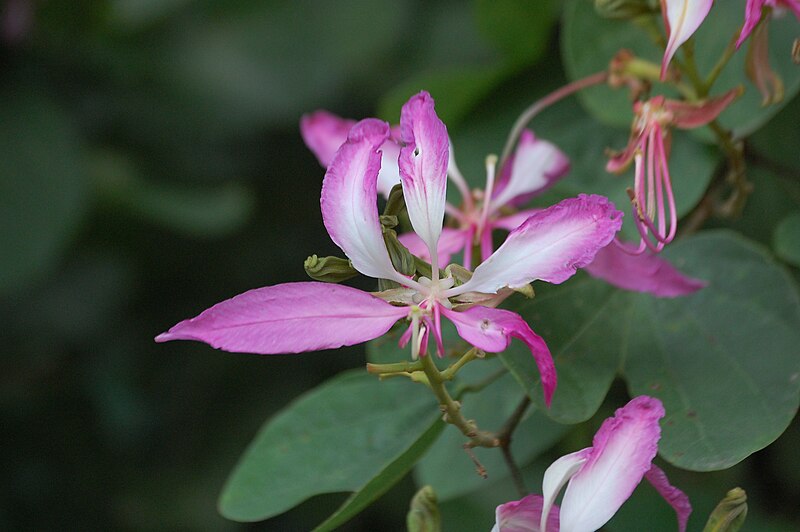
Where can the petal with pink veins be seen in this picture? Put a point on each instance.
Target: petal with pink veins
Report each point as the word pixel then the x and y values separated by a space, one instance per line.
pixel 622 452
pixel 290 318
pixel 492 329
pixel 537 165
pixel 675 497
pixel 645 272
pixel 524 516
pixel 550 245
pixel 681 18
pixel 423 166
pixel 349 200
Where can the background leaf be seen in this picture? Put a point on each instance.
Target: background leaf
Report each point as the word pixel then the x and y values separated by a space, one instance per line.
pixel 787 239
pixel 338 437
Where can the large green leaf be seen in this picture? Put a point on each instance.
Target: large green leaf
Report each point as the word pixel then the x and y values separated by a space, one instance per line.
pixel 725 361
pixel 450 471
pixel 42 186
pixel 520 28
pixel 787 239
pixel 590 41
pixel 353 433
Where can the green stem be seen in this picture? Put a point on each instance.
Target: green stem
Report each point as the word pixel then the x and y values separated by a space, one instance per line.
pixel 467 357
pixel 399 367
pixel 717 69
pixel 452 409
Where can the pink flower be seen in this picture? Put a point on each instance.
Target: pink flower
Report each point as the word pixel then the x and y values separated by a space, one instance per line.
pixel 599 478
pixel 681 20
pixel 757 66
pixel 651 197
pixel 296 317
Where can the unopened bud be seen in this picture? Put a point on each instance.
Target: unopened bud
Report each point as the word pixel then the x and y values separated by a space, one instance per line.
pixel 730 513
pixel 625 9
pixel 395 203
pixel 423 516
pixel 459 273
pixel 402 259
pixel 329 269
pixel 796 51
pixel 388 221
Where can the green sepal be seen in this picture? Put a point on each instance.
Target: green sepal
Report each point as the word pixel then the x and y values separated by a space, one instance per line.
pixel 423 516
pixel 625 9
pixel 329 269
pixel 730 513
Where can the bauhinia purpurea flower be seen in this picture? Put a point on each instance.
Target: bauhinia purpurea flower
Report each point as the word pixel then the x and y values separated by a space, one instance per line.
pixel 535 165
pixel 599 478
pixel 652 197
pixel 308 316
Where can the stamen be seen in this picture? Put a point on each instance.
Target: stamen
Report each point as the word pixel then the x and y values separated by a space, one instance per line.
pixel 458 179
pixel 491 164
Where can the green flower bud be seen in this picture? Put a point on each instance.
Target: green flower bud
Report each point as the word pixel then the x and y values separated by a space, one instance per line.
pixel 329 269
pixel 626 9
pixel 402 259
pixel 423 516
pixel 396 203
pixel 730 513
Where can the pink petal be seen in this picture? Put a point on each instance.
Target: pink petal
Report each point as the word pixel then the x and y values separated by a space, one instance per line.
pixel 691 115
pixel 675 497
pixel 451 242
pixel 491 329
pixel 621 453
pixel 752 14
pixel 423 166
pixel 537 165
pixel 550 245
pixel 682 18
pixel 512 221
pixel 324 133
pixel 349 200
pixel 645 272
pixel 524 516
pixel 757 68
pixel 290 318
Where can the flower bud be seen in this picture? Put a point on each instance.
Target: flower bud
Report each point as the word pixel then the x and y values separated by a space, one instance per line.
pixel 796 51
pixel 423 516
pixel 625 9
pixel 730 513
pixel 329 269
pixel 395 203
pixel 402 259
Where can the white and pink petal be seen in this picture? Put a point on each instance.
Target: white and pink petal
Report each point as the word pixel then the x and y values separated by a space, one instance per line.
pixel 451 241
pixel 681 18
pixel 524 515
pixel 674 497
pixel 290 318
pixel 423 166
pixel 622 452
pixel 549 246
pixel 349 200
pixel 324 133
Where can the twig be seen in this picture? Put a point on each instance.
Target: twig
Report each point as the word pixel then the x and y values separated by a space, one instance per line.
pixel 504 435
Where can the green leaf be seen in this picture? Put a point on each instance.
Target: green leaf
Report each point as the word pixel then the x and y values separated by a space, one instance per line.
pixel 589 42
pixel 724 361
pixel 353 433
pixel 520 28
pixel 778 140
pixel 787 239
pixel 43 193
pixel 450 471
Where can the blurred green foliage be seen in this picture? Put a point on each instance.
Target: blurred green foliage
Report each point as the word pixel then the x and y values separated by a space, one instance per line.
pixel 150 165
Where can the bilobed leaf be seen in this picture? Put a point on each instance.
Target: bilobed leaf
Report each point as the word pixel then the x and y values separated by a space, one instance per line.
pixel 786 240
pixel 353 433
pixel 725 361
pixel 589 42
pixel 43 192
